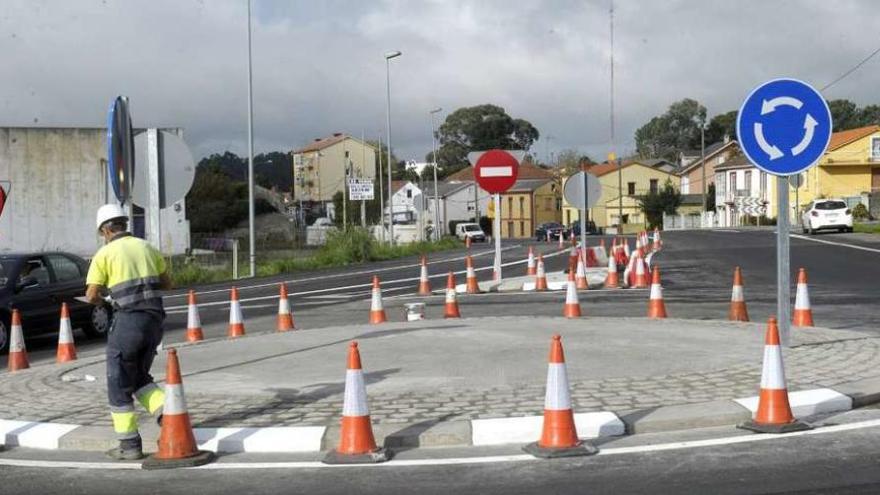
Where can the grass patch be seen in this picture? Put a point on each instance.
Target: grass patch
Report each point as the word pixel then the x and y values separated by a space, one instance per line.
pixel 356 245
pixel 867 228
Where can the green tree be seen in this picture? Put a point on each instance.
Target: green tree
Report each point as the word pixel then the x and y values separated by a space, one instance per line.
pixel 655 204
pixel 480 127
pixel 570 162
pixel 844 114
pixel 676 130
pixel 373 209
pixel 723 124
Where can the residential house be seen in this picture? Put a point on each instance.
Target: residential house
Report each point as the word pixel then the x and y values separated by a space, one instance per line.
pixel 456 203
pixel 691 171
pixel 319 168
pixel 527 204
pixel 406 201
pixel 741 190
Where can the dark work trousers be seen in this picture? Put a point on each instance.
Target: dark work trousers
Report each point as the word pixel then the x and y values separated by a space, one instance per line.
pixel 131 347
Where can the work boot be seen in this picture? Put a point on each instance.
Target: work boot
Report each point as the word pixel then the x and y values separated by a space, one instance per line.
pixel 130 449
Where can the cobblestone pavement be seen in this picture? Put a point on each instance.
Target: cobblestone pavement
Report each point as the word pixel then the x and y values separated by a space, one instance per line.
pixel 39 394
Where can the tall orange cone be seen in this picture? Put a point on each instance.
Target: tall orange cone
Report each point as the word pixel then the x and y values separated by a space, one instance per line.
pixel 177 443
pixel 285 317
pixel 236 320
pixel 657 242
pixel 377 309
pixel 467 242
pixel 774 411
pixel 66 348
pixel 558 436
pixel 640 280
pixel 531 269
pixel 357 444
pixel 193 321
pixel 540 275
pixel 473 287
pixel 18 358
pixel 424 283
pixel 581 275
pixel 572 307
pixel 803 312
pixel 656 306
pixel 573 257
pixel 738 310
pixel 451 309
pixel 612 281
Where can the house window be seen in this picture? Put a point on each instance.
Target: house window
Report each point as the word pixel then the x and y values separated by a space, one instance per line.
pixel 720 185
pixel 763 185
pixel 685 185
pixel 522 201
pixel 630 188
pixel 409 194
pixel 522 229
pixel 875 149
pixel 509 229
pixel 732 183
pixel 748 183
pixel 509 207
pixel 654 186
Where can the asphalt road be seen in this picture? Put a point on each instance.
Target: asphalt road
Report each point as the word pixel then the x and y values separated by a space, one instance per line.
pixel 697 268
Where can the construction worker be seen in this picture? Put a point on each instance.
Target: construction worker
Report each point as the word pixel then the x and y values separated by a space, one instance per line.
pixel 134 272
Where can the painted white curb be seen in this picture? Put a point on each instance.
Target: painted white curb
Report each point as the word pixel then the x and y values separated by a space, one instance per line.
pixel 261 440
pixel 528 429
pixel 807 402
pixel 32 434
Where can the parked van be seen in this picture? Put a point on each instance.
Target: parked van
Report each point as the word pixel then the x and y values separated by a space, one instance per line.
pixel 472 230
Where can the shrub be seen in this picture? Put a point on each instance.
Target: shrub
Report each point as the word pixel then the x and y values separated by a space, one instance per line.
pixel 860 212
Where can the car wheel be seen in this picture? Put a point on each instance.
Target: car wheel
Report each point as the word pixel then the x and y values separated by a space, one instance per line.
pixel 849 229
pixel 99 322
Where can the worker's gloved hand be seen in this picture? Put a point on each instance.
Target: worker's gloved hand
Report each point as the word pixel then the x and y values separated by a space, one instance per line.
pixel 108 299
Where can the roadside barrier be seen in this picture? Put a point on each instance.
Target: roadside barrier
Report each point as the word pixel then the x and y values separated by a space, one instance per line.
pixel 558 434
pixel 738 310
pixel 803 312
pixel 193 321
pixel 377 310
pixel 236 320
pixel 572 307
pixel 357 445
pixel 656 306
pixel 285 317
pixel 18 358
pixel 424 283
pixel 451 309
pixel 177 443
pixel 774 411
pixel 66 347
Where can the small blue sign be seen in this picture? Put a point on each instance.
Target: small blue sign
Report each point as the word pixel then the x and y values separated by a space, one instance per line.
pixel 784 126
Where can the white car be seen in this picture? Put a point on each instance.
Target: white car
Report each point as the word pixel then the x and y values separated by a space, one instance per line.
pixel 828 214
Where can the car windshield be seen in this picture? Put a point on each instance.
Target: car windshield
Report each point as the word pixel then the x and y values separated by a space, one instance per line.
pixel 831 205
pixel 471 228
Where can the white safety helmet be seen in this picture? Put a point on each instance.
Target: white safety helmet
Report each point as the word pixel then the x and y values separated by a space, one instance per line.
pixel 108 212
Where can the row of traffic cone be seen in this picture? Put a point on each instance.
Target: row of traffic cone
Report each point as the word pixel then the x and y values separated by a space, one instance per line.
pixel 18 358
pixel 285 321
pixel 803 312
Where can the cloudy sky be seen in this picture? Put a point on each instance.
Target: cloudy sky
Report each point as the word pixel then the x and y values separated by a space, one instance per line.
pixel 319 67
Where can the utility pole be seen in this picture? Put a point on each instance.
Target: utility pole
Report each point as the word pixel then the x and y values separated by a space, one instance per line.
pixel 703 156
pixel 362 174
pixel 611 155
pixel 381 189
pixel 252 256
pixel 434 159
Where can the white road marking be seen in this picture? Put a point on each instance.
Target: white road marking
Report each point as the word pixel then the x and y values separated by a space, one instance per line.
pixel 691 444
pixel 841 244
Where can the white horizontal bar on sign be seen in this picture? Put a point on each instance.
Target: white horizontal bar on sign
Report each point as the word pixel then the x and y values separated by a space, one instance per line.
pixel 528 429
pixel 807 402
pixel 496 171
pixel 32 434
pixel 261 440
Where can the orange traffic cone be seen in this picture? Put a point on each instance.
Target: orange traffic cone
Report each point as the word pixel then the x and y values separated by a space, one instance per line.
pixel 656 306
pixel 738 311
pixel 177 443
pixel 66 348
pixel 581 275
pixel 467 242
pixel 530 264
pixel 193 321
pixel 377 310
pixel 572 307
pixel 640 280
pixel 424 284
pixel 774 412
pixel 626 251
pixel 18 359
pixel 285 317
pixel 612 281
pixel 236 320
pixel 561 243
pixel 657 242
pixel 356 441
pixel 472 286
pixel 558 436
pixel 803 312
pixel 540 276
pixel 451 310
pixel 573 257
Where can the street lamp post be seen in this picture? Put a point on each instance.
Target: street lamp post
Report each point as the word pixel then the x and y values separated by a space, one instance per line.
pixel 388 57
pixel 434 159
pixel 703 158
pixel 252 249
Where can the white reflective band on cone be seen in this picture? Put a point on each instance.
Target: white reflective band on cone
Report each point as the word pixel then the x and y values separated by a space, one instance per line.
pixel 571 294
pixel 450 295
pixel 376 304
pixel 581 272
pixel 355 403
pixel 175 403
pixel 470 272
pixel 656 291
pixel 283 306
pixel 531 262
pixel 16 340
pixel 235 313
pixel 737 294
pixel 557 398
pixel 192 317
pixel 802 299
pixel 772 375
pixel 65 334
pixel 540 269
pixel 424 273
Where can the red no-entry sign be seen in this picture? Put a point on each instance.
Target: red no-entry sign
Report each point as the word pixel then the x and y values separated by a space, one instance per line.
pixel 496 170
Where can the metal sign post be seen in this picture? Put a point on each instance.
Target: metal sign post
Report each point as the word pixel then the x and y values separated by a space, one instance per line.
pixel 784 127
pixel 496 233
pixel 583 213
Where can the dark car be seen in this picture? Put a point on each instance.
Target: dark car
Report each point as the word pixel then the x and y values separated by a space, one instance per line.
pixel 575 228
pixel 36 284
pixel 553 228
